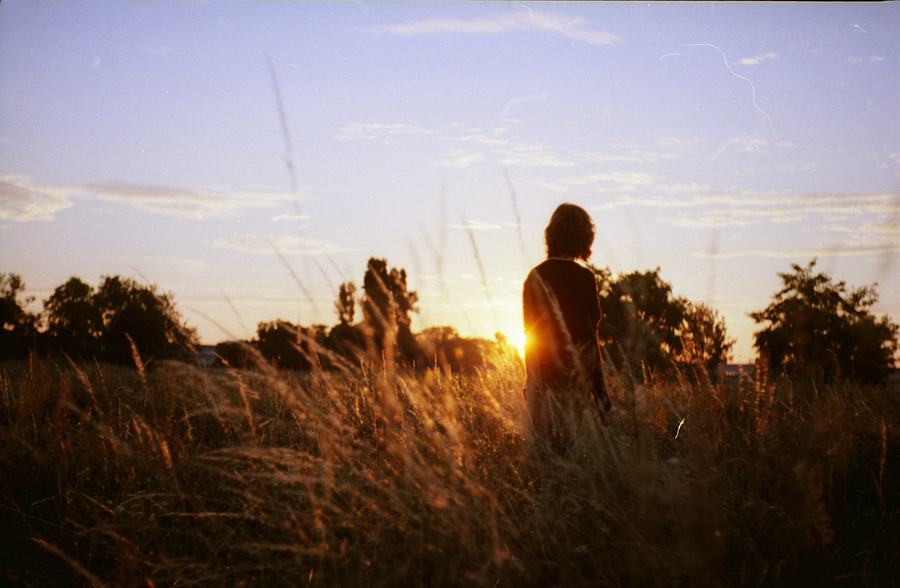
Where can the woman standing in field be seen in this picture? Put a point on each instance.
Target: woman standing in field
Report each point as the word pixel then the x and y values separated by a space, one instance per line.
pixel 564 375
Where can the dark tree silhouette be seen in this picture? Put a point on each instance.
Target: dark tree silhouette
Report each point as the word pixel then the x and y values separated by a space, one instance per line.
pixel 816 326
pixel 290 346
pixel 646 328
pixel 386 308
pixel 235 354
pixel 346 303
pixel 347 341
pixel 74 324
pixel 131 313
pixel 18 327
pixel 705 342
pixel 642 321
pixel 279 342
pixel 387 298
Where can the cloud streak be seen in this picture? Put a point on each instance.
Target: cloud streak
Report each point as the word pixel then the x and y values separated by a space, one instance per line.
pixel 867 221
pixel 757 59
pixel 575 28
pixel 531 155
pixel 387 132
pixel 462 158
pixel 476 225
pixel 283 244
pixel 856 60
pixel 836 250
pixel 22 200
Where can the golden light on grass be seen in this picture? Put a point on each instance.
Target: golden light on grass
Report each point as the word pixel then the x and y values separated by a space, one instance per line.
pixel 368 476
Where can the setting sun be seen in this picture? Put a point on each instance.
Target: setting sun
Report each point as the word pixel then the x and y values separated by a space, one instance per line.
pixel 517 340
pixel 216 159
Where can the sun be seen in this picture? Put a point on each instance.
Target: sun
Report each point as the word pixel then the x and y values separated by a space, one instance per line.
pixel 517 340
pixel 514 338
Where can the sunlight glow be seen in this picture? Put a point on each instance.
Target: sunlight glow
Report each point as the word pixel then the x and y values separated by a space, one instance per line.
pixel 517 340
pixel 720 189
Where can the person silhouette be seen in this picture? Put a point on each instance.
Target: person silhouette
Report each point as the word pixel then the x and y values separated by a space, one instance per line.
pixel 561 312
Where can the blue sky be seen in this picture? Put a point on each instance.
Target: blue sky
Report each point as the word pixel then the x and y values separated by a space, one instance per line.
pixel 719 142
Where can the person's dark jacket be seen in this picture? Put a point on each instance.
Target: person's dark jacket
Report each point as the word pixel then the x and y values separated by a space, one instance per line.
pixel 562 358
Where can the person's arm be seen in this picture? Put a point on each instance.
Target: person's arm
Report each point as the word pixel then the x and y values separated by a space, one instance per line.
pixel 588 309
pixel 597 313
pixel 529 303
pixel 597 377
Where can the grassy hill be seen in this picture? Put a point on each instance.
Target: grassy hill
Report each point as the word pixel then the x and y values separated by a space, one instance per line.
pixel 180 475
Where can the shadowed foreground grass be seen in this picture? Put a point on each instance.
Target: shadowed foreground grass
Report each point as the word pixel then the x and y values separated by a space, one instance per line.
pixel 182 476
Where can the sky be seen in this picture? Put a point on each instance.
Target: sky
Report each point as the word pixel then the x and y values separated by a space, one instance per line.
pixel 250 156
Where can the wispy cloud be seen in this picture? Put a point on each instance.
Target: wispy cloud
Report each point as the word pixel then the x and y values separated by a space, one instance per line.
pixel 531 155
pixel 864 211
pixel 757 59
pixel 283 244
pixel 684 188
pixel 836 250
pixel 22 200
pixel 856 60
pixel 525 19
pixel 488 139
pixel 603 182
pixel 886 228
pixel 462 158
pixel 747 144
pixel 291 217
pixel 476 225
pixel 384 131
pixel 658 148
pixel 633 156
pixel 629 178
pixel 467 145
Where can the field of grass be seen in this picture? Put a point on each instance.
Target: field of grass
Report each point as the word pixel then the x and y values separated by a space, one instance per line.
pixel 187 476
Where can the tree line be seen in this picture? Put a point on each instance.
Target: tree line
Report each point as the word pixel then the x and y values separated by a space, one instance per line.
pixel 382 333
pixel 114 322
pixel 812 327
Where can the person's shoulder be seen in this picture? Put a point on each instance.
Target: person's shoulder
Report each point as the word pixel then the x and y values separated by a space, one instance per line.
pixel 554 262
pixel 542 268
pixel 570 265
pixel 533 278
pixel 560 266
pixel 582 269
pixel 581 274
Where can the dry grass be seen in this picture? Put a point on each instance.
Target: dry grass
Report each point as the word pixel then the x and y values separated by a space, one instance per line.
pixel 180 476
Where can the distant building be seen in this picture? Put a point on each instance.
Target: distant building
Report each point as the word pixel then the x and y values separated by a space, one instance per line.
pixel 205 354
pixel 894 380
pixel 732 373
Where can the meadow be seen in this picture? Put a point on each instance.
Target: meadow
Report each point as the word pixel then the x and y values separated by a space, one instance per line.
pixel 178 475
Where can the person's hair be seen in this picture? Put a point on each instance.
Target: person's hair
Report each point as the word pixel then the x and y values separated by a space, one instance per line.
pixel 570 232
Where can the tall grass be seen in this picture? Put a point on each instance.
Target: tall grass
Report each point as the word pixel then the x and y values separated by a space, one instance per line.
pixel 185 476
